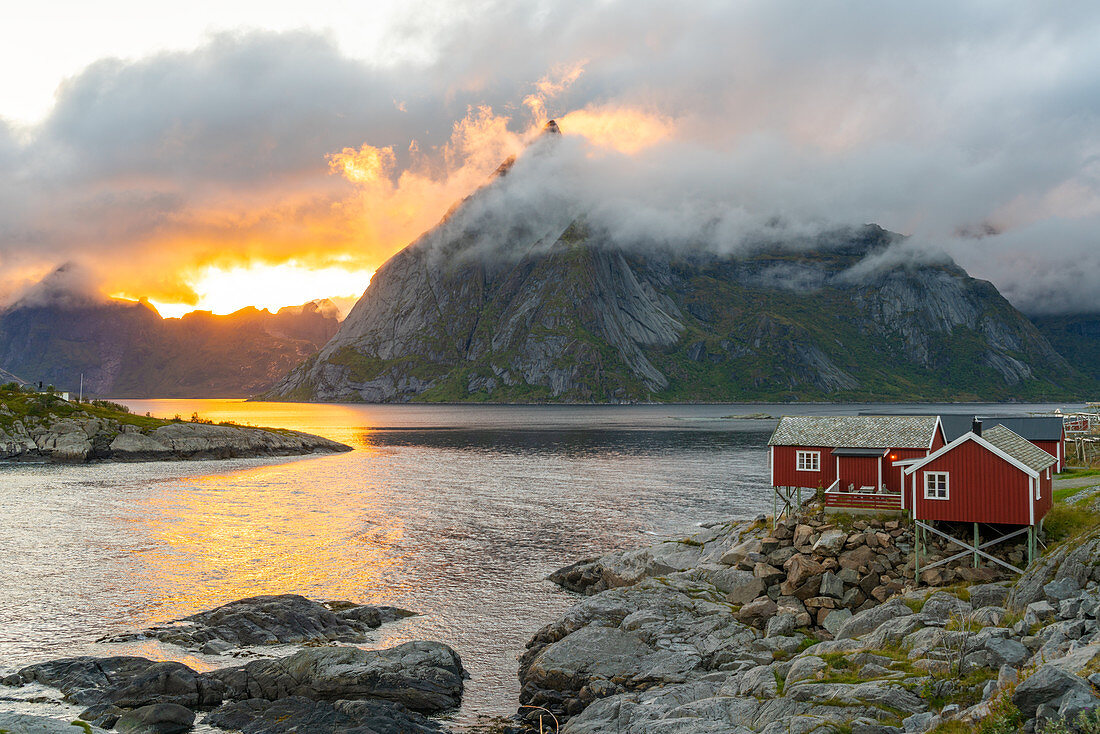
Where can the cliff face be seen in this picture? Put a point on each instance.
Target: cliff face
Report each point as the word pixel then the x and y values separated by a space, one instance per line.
pixel 127 349
pixel 1077 336
pixel 579 320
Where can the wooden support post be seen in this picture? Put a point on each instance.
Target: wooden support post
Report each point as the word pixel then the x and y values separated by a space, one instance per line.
pixel 775 506
pixel 916 554
pixel 1030 544
pixel 976 545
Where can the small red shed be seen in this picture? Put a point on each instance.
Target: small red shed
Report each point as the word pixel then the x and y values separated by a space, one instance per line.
pixel 995 477
pixel 852 458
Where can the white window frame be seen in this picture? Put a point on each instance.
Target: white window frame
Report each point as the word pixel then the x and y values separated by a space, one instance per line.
pixel 931 493
pixel 807 461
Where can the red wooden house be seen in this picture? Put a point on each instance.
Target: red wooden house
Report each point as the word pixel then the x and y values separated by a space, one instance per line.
pixel 993 477
pixel 852 458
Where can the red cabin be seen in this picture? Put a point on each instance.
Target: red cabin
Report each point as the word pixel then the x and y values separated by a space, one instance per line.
pixel 995 477
pixel 852 458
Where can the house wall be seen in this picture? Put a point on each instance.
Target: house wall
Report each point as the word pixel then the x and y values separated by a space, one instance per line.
pixel 892 475
pixel 1055 449
pixel 862 471
pixel 983 487
pixel 785 468
pixel 938 441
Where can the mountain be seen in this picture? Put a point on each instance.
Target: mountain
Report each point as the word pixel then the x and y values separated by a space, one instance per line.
pixel 125 349
pixel 1077 337
pixel 526 302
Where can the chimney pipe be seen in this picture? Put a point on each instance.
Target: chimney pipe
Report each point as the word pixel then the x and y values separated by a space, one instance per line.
pixel 976 427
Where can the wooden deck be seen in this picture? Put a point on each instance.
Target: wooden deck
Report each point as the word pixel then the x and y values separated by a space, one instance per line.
pixel 837 500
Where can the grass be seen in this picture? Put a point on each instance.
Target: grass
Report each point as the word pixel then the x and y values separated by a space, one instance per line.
pixel 1072 472
pixel 1066 521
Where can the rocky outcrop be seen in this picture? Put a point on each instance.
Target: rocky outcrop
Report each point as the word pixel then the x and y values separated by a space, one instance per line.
pixel 270 620
pixel 1075 563
pixel 659 644
pixel 323 686
pixel 81 438
pixel 29 724
pixel 416 676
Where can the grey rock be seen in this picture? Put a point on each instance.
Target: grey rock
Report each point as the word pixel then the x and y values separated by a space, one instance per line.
pixel 158 718
pixel 988 595
pixel 1079 561
pixel 740 587
pixel 831 585
pixel 781 625
pixel 1060 589
pixel 942 606
pixel 269 620
pixel 805 667
pixel 1077 701
pixel 259 716
pixel 1047 685
pixel 869 619
pixel 918 722
pixel 1005 651
pixel 835 620
pixel 30 724
pixel 831 542
pixel 125 681
pixel 423 676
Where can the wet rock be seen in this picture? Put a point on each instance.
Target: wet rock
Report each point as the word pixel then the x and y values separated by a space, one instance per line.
pixel 29 724
pixel 160 718
pixel 122 680
pixel 259 716
pixel 423 676
pixel 272 619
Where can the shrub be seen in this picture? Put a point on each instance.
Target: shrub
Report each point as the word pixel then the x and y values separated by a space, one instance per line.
pixel 111 405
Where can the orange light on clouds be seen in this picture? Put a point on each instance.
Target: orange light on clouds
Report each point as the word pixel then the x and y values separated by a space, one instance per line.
pixel 225 290
pixel 623 129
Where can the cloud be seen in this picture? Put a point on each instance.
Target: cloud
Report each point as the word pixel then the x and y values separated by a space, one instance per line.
pixel 705 125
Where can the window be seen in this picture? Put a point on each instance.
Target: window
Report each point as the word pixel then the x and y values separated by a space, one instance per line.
pixel 809 461
pixel 935 485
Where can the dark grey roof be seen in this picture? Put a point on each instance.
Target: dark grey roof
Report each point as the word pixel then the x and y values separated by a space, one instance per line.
pixel 1018 447
pixel 855 431
pixel 1031 427
pixel 858 452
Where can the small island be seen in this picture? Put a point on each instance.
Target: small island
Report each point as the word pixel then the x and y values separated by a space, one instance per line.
pixel 44 426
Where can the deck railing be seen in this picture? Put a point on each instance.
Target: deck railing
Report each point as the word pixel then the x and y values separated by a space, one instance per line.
pixel 861 500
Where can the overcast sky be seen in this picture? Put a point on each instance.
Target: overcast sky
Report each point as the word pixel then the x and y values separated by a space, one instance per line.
pixel 147 146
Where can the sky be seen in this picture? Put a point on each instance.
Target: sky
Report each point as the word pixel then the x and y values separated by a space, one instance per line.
pixel 215 155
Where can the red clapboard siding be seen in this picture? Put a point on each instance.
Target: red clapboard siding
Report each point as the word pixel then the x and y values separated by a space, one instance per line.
pixel 891 475
pixel 983 488
pixel 862 471
pixel 938 441
pixel 1054 449
pixel 786 472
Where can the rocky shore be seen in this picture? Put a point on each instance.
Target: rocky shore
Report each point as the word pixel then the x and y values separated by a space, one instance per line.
pixel 324 686
pixel 817 627
pixel 83 437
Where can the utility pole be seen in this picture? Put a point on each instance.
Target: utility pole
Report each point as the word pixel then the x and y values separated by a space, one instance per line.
pixel 81 398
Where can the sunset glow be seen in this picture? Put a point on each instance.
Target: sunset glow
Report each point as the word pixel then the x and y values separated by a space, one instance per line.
pixel 225 290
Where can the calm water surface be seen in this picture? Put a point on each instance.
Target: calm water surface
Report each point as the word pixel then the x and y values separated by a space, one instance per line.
pixel 456 512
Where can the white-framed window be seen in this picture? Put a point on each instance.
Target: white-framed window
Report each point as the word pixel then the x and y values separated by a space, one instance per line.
pixel 936 485
pixel 808 461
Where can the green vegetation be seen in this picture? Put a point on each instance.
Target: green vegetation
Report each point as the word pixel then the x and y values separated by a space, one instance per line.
pixel 20 405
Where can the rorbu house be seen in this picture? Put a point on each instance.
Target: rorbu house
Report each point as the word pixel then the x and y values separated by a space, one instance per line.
pixel 993 479
pixel 857 462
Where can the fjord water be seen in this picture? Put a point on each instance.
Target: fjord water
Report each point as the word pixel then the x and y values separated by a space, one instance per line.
pixel 456 512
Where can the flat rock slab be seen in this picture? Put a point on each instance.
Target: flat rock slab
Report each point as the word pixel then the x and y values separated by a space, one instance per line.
pixel 258 716
pixel 270 620
pixel 424 676
pixel 27 724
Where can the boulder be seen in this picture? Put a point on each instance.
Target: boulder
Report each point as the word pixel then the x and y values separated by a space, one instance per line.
pixel 158 718
pixel 835 619
pixel 781 625
pixel 942 606
pixel 869 619
pixel 802 535
pixel 125 681
pixel 831 585
pixel 1079 560
pixel 131 446
pixel 831 542
pixel 423 676
pixel 739 552
pixel 740 587
pixel 1046 686
pixel 755 612
pixel 1060 589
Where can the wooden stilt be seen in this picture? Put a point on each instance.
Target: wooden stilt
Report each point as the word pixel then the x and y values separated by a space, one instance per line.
pixel 977 544
pixel 916 555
